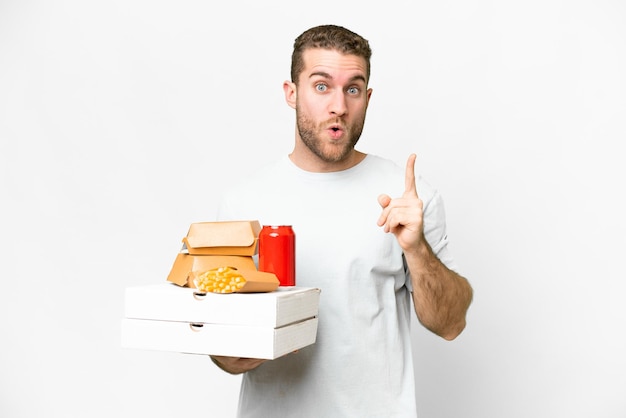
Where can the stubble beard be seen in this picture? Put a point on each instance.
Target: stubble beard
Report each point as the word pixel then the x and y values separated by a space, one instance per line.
pixel 310 135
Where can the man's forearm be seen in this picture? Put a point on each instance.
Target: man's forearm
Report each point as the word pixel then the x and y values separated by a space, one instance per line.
pixel 440 295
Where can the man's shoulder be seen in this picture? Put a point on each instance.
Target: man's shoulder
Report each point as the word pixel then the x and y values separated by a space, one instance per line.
pixel 425 189
pixel 381 161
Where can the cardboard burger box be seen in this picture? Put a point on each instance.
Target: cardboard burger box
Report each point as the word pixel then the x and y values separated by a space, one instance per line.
pixel 211 245
pixel 264 325
pixel 261 320
pixel 223 238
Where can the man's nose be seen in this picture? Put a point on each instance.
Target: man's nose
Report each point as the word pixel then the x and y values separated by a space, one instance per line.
pixel 338 104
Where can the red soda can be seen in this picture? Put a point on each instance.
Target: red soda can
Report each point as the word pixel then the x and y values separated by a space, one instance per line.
pixel 277 253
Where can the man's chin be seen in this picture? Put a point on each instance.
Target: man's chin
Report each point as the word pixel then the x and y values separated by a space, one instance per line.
pixel 335 155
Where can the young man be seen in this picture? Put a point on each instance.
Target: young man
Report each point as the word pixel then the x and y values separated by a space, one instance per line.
pixel 368 252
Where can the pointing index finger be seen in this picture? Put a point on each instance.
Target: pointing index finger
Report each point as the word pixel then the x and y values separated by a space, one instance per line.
pixel 409 178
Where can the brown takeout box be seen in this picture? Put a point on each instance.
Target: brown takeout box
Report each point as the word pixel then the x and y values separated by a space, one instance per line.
pixel 185 264
pixel 210 245
pixel 223 238
pixel 256 281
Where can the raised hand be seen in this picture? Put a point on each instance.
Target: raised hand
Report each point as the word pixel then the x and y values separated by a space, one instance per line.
pixel 403 216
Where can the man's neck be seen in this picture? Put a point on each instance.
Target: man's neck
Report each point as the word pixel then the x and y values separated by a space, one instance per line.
pixel 312 163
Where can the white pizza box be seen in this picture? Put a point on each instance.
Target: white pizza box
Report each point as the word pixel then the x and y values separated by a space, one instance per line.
pixel 263 342
pixel 170 302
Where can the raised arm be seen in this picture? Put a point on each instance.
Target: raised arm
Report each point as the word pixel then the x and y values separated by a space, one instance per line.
pixel 440 295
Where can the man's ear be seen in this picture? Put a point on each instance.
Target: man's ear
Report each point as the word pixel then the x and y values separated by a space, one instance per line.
pixel 290 93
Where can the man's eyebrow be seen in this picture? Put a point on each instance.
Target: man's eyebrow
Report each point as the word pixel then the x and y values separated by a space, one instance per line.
pixel 321 74
pixel 324 74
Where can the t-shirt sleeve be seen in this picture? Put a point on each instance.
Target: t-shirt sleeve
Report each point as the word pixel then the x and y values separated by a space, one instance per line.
pixel 436 233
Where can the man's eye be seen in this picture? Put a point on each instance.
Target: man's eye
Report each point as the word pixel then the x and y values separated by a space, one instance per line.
pixel 321 87
pixel 353 90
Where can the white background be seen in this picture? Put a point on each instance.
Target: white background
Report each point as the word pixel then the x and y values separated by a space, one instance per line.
pixel 121 121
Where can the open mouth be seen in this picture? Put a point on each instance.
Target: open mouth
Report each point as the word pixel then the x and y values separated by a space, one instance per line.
pixel 335 131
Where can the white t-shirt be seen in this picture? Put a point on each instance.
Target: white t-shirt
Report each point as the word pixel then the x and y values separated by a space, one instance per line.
pixel 361 364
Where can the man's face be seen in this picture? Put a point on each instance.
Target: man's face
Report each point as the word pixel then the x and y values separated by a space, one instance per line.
pixel 331 103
